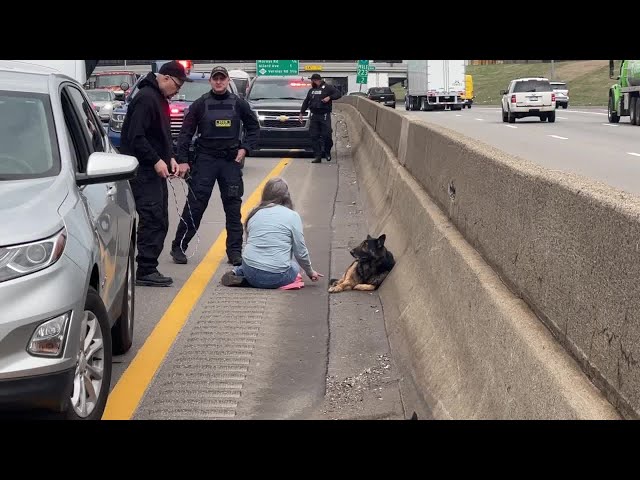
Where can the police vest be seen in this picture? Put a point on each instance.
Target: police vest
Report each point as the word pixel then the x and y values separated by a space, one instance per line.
pixel 220 120
pixel 315 102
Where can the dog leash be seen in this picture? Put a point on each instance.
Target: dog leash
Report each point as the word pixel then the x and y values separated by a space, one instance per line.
pixel 186 191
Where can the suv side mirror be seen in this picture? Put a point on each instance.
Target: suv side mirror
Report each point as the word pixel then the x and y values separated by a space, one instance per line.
pixel 105 167
pixel 503 92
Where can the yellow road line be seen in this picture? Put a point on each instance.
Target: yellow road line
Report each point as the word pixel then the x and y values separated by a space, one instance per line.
pixel 126 395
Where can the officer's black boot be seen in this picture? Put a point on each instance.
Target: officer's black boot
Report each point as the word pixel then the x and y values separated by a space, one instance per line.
pixel 154 279
pixel 317 160
pixel 177 255
pixel 235 259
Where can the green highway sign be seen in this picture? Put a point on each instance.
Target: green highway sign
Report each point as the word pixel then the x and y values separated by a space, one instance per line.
pixel 362 73
pixel 277 67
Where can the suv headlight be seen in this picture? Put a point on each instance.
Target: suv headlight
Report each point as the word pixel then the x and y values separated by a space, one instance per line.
pixel 116 121
pixel 20 260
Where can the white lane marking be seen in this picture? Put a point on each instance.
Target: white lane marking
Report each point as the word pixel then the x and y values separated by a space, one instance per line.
pixel 458 115
pixel 559 137
pixel 611 124
pixel 563 118
pixel 480 119
pixel 634 154
pixel 510 126
pixel 582 111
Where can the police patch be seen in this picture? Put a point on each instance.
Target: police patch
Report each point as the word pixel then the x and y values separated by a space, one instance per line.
pixel 223 123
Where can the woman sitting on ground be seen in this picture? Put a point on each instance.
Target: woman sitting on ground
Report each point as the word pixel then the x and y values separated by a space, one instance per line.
pixel 274 238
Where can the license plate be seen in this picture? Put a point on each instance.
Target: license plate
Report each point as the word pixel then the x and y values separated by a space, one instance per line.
pixel 534 110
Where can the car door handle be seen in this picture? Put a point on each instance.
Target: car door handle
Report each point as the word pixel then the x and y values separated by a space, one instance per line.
pixel 111 191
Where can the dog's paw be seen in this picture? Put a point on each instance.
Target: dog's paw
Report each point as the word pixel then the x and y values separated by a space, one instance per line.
pixel 332 289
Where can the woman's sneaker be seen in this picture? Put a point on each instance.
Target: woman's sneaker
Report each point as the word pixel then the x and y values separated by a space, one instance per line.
pixel 230 279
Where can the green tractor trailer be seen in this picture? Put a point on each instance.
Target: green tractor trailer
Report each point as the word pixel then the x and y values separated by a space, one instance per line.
pixel 624 96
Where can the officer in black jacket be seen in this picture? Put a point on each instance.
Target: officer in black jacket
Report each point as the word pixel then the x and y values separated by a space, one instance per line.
pixel 146 134
pixel 219 117
pixel 319 101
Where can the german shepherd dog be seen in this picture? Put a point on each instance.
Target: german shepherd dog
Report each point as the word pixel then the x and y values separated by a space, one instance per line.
pixel 372 264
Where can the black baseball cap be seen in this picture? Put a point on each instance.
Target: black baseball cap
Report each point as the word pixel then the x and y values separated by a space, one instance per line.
pixel 219 69
pixel 175 69
pixel 316 76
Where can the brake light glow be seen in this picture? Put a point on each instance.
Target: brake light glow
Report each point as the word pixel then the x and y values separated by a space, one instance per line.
pixel 187 64
pixel 299 84
pixel 513 99
pixel 553 97
pixel 175 110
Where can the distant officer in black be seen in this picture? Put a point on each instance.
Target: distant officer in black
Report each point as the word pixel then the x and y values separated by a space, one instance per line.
pixel 146 134
pixel 319 101
pixel 219 117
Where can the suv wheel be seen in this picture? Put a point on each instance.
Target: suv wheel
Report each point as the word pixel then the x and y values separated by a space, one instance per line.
pixel 92 378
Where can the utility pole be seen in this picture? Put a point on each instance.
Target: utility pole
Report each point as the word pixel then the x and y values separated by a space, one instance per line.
pixel 553 71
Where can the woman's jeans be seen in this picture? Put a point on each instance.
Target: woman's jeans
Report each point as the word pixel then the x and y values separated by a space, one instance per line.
pixel 262 279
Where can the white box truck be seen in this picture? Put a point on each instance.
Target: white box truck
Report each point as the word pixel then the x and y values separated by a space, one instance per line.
pixel 435 85
pixel 79 70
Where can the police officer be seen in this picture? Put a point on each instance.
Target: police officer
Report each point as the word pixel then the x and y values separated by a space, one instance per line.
pixel 319 101
pixel 146 134
pixel 219 117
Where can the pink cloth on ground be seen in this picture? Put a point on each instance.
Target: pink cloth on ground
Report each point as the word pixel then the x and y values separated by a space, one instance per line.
pixel 297 284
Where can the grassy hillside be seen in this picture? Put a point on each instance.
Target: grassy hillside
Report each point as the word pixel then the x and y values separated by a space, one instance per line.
pixel 588 80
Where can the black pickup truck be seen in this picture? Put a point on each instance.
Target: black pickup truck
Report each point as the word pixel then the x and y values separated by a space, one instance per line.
pixel 383 95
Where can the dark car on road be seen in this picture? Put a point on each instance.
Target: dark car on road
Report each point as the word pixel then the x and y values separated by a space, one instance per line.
pixel 382 95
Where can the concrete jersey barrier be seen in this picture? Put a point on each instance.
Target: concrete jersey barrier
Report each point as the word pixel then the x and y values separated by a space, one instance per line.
pixel 542 233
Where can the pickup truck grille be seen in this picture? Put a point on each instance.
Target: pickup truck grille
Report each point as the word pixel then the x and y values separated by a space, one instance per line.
pixel 278 113
pixel 291 123
pixel 276 119
pixel 176 123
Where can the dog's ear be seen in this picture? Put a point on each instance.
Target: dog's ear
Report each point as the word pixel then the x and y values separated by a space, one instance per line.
pixel 381 240
pixel 369 237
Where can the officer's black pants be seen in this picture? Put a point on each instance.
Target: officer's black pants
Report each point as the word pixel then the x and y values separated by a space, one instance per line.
pixel 321 132
pixel 151 196
pixel 207 169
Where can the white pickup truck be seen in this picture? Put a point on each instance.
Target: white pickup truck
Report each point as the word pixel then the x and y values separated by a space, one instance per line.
pixel 529 97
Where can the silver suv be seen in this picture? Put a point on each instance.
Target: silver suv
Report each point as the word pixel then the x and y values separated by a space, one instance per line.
pixel 66 246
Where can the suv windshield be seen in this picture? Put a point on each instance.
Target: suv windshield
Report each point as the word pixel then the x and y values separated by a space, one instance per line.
pixel 264 88
pixel 241 84
pixel 191 91
pixel 532 86
pixel 27 142
pixel 380 90
pixel 114 80
pixel 98 95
